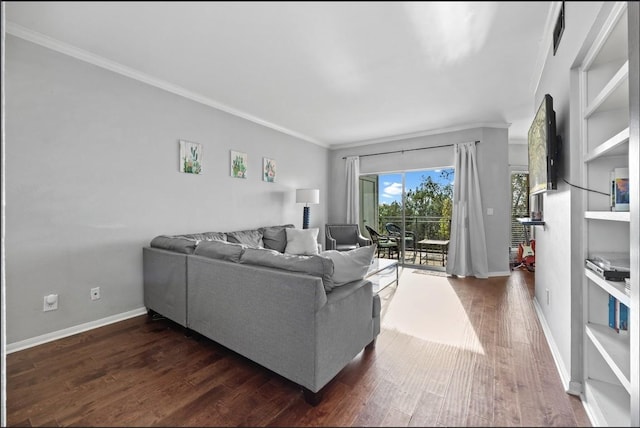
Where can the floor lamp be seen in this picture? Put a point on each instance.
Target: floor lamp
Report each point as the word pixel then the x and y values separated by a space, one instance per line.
pixel 307 196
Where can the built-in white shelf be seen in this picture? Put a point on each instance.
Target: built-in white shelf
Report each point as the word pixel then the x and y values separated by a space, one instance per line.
pixel 608 215
pixel 615 146
pixel 614 348
pixel 610 403
pixel 615 288
pixel 615 93
pixel 610 358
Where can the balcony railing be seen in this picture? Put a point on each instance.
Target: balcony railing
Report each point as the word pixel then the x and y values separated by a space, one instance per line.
pixel 424 227
pixel 419 228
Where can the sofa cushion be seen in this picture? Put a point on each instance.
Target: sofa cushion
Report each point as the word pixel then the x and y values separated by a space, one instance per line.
pixel 251 238
pixel 311 265
pixel 222 250
pixel 352 265
pixel 275 237
pixel 175 243
pixel 303 242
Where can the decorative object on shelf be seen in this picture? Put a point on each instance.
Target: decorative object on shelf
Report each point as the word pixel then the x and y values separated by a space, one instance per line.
pixel 307 196
pixel 610 266
pixel 269 170
pixel 190 157
pixel 238 164
pixel 620 189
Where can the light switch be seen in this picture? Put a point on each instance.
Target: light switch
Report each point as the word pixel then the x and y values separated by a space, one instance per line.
pixel 489 211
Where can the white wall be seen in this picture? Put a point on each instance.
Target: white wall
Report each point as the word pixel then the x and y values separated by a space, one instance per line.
pixel 92 176
pixel 493 168
pixel 558 242
pixel 519 155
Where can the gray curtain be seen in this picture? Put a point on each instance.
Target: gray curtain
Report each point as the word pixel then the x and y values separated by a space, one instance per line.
pixel 353 189
pixel 467 246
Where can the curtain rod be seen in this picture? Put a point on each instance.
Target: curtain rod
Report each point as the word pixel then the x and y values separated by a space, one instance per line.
pixel 407 150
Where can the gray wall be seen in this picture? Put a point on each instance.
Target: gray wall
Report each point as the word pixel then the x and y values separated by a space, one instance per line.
pixel 560 238
pixel 493 168
pixel 92 176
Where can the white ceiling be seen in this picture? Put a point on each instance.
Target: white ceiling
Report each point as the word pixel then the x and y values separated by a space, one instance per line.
pixel 333 73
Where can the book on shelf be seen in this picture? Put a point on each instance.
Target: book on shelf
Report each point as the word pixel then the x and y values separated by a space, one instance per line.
pixel 612 312
pixel 622 317
pixel 620 189
pixel 618 315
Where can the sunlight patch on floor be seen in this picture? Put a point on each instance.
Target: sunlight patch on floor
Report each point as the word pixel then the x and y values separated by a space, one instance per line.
pixel 427 307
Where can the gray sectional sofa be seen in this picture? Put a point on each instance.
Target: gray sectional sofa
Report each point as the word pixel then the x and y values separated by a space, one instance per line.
pixel 280 310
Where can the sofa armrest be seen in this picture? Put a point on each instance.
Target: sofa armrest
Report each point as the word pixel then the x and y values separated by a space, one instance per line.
pixel 345 325
pixel 165 283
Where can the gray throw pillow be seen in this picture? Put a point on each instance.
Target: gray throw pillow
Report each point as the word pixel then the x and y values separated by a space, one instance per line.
pixel 352 265
pixel 275 237
pixel 311 265
pixel 251 238
pixel 220 250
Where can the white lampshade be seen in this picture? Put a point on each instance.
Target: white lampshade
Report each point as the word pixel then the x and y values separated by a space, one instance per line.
pixel 308 196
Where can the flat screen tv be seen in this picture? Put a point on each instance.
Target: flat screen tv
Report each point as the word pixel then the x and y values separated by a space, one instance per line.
pixel 543 149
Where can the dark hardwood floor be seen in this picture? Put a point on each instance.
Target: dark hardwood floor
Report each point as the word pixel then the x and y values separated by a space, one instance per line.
pixel 146 372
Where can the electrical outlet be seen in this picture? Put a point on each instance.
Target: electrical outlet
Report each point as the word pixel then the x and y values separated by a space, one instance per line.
pixel 95 293
pixel 50 303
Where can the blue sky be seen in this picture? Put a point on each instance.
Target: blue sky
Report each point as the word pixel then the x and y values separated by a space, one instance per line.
pixel 390 185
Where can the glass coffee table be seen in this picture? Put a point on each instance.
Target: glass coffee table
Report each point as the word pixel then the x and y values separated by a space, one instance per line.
pixel 382 273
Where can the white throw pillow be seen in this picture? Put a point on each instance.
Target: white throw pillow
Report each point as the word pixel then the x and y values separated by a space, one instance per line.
pixel 302 242
pixel 350 265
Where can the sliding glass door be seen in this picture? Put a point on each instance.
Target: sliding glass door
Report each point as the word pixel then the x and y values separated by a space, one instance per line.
pixel 368 202
pixel 412 209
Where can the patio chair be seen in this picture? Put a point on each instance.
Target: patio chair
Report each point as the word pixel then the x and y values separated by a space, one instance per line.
pixel 410 240
pixel 384 242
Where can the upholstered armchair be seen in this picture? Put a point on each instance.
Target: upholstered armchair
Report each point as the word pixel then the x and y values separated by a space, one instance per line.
pixel 344 237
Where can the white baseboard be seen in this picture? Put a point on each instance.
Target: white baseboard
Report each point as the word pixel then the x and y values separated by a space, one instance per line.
pixel 573 388
pixel 590 411
pixel 503 273
pixel 49 337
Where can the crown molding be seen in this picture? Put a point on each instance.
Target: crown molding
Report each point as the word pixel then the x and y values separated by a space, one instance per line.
pixel 58 46
pixel 86 56
pixel 388 139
